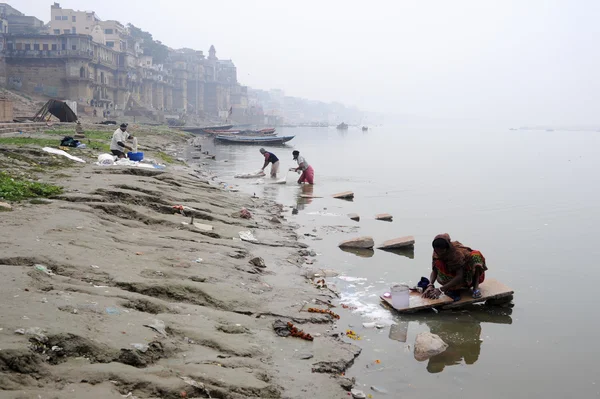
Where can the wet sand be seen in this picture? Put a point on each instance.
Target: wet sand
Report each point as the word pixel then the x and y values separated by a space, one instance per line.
pixel 120 260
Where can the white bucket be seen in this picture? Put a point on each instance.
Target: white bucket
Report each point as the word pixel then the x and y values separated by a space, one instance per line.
pixel 400 296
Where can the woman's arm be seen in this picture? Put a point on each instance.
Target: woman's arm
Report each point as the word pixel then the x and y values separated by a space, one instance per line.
pixel 457 281
pixel 431 286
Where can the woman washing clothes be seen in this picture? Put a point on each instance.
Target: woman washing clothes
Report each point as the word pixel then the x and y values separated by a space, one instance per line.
pixel 455 267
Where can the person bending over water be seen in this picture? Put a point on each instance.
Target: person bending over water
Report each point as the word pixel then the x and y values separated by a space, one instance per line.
pixel 455 267
pixel 272 159
pixel 308 173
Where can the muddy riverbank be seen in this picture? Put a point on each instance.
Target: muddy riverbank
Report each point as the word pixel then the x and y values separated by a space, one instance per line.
pixel 107 291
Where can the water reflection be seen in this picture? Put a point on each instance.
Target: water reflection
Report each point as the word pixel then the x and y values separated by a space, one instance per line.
pixel 363 253
pixel 408 252
pixel 303 198
pixel 460 330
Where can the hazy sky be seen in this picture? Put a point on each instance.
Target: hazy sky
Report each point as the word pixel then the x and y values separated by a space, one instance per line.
pixel 523 61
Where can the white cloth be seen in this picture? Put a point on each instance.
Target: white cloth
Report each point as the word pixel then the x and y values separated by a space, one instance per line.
pixel 63 153
pixel 121 136
pixel 302 163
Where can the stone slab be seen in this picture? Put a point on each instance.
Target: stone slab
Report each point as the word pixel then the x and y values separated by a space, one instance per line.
pixel 490 289
pixel 203 227
pixel 354 216
pixel 344 195
pixel 397 243
pixel 386 217
pixel 358 242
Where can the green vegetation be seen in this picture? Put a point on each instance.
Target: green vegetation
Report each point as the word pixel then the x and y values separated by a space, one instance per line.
pixel 54 142
pixel 16 189
pixel 89 134
pixel 166 157
pixel 155 48
pixel 29 141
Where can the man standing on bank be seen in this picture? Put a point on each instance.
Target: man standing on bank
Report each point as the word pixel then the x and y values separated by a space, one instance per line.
pixel 272 159
pixel 117 144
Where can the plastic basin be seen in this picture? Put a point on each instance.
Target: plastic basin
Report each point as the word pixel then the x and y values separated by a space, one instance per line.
pixel 135 156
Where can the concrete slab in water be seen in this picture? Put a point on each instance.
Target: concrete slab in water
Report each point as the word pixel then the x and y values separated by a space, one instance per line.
pixel 344 195
pixel 397 243
pixel 490 289
pixel 386 217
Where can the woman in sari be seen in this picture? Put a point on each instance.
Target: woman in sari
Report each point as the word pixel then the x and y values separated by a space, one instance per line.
pixel 455 267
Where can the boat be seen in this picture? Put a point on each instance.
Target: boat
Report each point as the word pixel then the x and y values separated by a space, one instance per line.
pixel 197 129
pixel 365 128
pixel 271 140
pixel 342 126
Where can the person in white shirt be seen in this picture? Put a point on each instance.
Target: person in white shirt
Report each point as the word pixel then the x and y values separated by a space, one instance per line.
pixel 308 173
pixel 117 144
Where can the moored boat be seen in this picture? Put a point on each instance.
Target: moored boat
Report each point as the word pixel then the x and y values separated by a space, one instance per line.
pixel 236 139
pixel 342 126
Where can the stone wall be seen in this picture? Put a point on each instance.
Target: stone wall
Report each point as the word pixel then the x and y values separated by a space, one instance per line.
pixel 39 76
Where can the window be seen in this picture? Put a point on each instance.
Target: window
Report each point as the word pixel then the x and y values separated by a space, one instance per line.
pixel 64 46
pixel 57 31
pixel 65 17
pixel 36 47
pixel 10 46
pixel 108 31
pixel 27 47
pixel 57 18
pixel 73 18
pixel 67 31
pixel 110 44
pixel 73 30
pixel 45 47
pixel 54 47
pixel 74 47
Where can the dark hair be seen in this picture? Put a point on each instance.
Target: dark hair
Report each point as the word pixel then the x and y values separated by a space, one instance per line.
pixel 295 152
pixel 440 243
pixel 123 125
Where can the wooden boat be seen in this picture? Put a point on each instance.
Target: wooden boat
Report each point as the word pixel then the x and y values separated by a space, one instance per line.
pixel 267 131
pixel 235 139
pixel 197 129
pixel 342 126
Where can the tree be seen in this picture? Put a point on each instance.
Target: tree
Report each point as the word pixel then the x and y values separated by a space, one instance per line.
pixel 154 48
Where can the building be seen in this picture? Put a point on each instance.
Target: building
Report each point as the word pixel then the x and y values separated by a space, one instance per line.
pixel 66 21
pixel 75 67
pixel 14 21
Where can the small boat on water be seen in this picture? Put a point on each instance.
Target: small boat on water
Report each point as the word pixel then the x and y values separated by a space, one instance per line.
pixel 197 129
pixel 365 128
pixel 236 139
pixel 342 126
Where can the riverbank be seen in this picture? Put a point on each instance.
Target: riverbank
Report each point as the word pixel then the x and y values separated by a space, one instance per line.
pixel 106 291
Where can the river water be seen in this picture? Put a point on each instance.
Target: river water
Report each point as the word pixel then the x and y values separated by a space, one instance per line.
pixel 529 200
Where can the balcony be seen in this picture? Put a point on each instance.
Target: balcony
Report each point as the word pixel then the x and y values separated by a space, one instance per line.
pixel 86 54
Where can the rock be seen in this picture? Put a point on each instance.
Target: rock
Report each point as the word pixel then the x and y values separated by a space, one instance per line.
pixel 198 279
pixel 258 262
pixel 40 201
pixel 358 394
pixel 379 390
pixel 354 216
pixel 360 243
pixel 396 243
pixel 384 216
pixel 306 356
pixel 304 252
pixel 344 195
pixel 312 253
pixel 5 207
pixel 347 383
pixel 428 345
pixel 158 326
pixel 281 328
